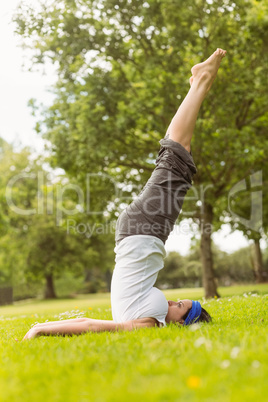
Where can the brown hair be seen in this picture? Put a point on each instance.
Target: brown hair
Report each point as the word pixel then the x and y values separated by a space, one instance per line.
pixel 204 316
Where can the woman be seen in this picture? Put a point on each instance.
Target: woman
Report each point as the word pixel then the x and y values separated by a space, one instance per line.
pixel 144 226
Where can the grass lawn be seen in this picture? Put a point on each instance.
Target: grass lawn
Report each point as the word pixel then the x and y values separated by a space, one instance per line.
pixel 226 360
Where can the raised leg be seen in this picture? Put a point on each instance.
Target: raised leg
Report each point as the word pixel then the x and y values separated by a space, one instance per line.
pixel 182 125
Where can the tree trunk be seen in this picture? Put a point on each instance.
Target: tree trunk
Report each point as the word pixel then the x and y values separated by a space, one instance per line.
pixel 257 261
pixel 49 290
pixel 208 276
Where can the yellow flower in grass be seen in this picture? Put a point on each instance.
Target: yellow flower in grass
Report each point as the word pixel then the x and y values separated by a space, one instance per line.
pixel 90 308
pixel 193 382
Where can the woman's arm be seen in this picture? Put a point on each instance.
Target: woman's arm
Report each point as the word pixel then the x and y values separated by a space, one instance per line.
pixel 79 326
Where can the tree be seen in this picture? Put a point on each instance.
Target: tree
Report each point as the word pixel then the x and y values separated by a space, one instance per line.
pixel 12 163
pixel 52 251
pixel 51 245
pixel 172 275
pixel 119 67
pixel 249 214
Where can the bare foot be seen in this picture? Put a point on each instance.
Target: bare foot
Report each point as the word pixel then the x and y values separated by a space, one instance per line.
pixel 206 72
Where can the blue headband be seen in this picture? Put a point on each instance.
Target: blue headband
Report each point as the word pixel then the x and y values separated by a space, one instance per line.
pixel 194 313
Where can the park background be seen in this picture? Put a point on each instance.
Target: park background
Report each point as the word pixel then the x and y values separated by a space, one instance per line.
pixel 106 80
pixel 116 71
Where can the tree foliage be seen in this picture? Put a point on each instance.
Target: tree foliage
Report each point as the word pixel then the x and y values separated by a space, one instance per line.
pixel 37 244
pixel 123 67
pixel 186 271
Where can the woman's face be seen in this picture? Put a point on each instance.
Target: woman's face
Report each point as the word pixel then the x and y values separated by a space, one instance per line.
pixel 176 310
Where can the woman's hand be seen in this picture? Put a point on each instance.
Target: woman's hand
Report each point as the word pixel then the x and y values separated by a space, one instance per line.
pixel 32 333
pixel 77 326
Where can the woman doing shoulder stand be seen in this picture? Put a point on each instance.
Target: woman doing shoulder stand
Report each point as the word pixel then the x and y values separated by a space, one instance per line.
pixel 144 226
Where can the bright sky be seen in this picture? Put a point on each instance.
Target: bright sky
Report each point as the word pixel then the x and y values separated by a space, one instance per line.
pixel 17 86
